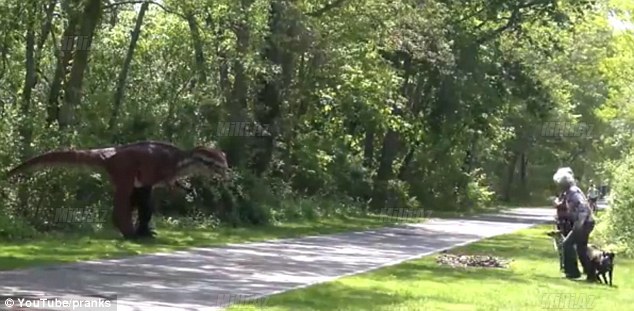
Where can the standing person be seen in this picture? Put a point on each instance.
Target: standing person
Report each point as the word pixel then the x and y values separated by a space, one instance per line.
pixel 563 225
pixel 583 224
pixel 593 196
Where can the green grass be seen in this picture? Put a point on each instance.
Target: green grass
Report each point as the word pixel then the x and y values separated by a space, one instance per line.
pixel 532 278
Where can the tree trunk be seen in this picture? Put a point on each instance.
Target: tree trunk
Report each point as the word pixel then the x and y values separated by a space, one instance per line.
pixel 114 16
pixel 270 97
pixel 199 56
pixel 368 147
pixel 217 27
pixel 67 43
pixel 29 81
pixel 44 32
pixel 470 155
pixel 510 173
pixel 46 26
pixel 235 144
pixel 523 168
pixel 402 174
pixel 385 171
pixel 123 75
pixel 421 91
pixel 29 78
pixel 390 146
pixel 72 92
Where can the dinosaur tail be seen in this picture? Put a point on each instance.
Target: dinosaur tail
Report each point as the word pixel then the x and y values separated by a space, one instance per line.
pixel 91 158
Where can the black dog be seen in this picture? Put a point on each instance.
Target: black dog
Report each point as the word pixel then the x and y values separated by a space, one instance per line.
pixel 602 263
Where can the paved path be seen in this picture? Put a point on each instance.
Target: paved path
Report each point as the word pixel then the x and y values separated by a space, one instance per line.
pixel 602 204
pixel 205 278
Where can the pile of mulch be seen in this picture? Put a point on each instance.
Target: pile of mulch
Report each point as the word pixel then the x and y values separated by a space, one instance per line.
pixel 472 261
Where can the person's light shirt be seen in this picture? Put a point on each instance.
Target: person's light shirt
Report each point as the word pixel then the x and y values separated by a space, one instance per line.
pixel 593 192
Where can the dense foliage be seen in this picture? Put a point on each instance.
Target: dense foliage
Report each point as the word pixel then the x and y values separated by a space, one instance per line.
pixel 437 104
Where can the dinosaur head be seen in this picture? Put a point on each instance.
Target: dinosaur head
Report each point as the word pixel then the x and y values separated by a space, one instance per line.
pixel 213 161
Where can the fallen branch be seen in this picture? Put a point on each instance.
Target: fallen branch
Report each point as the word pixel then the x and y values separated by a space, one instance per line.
pixel 472 261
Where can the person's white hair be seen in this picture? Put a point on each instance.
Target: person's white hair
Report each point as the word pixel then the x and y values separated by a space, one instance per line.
pixel 564 176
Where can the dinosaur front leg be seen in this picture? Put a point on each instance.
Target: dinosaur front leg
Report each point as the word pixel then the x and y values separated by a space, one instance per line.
pixel 143 199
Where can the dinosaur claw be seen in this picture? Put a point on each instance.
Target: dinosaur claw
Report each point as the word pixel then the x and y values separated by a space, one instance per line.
pixel 145 233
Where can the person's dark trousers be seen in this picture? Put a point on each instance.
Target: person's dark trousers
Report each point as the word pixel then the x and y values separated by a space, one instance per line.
pixel 569 259
pixel 580 240
pixel 582 250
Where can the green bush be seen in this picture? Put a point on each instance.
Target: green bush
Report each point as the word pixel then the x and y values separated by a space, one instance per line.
pixel 616 228
pixel 478 193
pixel 15 228
pixel 399 196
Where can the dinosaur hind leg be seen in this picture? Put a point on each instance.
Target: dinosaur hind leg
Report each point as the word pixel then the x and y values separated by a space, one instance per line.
pixel 142 198
pixel 122 213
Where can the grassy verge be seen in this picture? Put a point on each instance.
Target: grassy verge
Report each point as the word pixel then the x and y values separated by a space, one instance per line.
pixel 532 282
